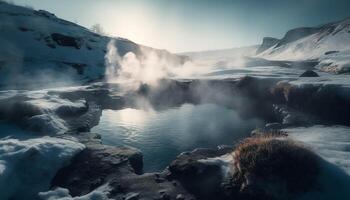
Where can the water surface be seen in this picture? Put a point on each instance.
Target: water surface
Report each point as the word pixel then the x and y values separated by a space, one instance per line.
pixel 162 135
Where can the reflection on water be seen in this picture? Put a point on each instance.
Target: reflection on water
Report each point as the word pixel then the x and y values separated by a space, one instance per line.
pixel 162 135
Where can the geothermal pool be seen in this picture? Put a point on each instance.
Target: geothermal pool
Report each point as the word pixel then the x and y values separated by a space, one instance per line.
pixel 162 135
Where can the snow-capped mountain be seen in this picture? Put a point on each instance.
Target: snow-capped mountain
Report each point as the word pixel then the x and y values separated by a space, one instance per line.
pixel 36 46
pixel 329 44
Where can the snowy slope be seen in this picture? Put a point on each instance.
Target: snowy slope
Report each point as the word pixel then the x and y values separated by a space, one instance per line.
pixel 36 46
pixel 205 62
pixel 330 44
pixel 222 53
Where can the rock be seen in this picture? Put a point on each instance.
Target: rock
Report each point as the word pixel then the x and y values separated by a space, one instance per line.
pixel 165 196
pixel 200 178
pixel 146 186
pixel 98 94
pixel 87 138
pixel 94 165
pixel 267 43
pixel 180 197
pixel 74 109
pixel 16 108
pixel 65 40
pixel 320 103
pixel 46 124
pixel 264 132
pixel 330 52
pixel 47 113
pixel 86 120
pixel 274 126
pixel 132 196
pixel 309 73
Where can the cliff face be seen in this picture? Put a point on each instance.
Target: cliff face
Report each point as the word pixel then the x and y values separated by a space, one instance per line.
pixel 267 43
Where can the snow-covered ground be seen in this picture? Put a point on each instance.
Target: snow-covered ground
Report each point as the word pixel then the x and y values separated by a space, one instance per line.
pixel 331 142
pixel 28 163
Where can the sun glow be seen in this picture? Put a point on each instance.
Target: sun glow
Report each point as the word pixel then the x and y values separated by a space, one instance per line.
pixel 136 23
pixel 131 116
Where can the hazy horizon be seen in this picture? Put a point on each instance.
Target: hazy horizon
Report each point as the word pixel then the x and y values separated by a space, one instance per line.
pixel 184 26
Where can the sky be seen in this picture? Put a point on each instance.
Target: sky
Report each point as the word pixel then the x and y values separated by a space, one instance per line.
pixel 195 25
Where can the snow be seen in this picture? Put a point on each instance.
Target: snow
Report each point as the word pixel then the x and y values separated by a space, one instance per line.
pixel 225 162
pixel 222 54
pixel 334 38
pixel 315 45
pixel 48 109
pixel 29 46
pixel 330 142
pixel 47 123
pixel 336 62
pixel 30 55
pixel 27 165
pixel 101 193
pixel 333 144
pixel 324 79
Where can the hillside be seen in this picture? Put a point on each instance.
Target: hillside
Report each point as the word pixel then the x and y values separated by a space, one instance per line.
pixel 37 47
pixel 329 44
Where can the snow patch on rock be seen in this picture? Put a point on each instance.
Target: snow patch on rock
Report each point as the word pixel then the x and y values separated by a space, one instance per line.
pixel 101 193
pixel 28 165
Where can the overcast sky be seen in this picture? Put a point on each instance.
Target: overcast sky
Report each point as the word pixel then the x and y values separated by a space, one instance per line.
pixel 192 25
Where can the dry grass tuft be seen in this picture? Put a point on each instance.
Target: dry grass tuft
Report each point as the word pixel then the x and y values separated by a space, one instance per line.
pixel 275 162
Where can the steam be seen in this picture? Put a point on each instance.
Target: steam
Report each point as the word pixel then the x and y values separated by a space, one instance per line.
pixel 112 61
pixel 131 70
pixel 148 67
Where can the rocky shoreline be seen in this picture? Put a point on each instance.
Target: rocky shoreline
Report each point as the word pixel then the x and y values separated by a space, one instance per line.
pixel 201 174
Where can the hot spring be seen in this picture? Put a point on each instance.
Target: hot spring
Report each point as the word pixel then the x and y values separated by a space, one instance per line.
pixel 162 135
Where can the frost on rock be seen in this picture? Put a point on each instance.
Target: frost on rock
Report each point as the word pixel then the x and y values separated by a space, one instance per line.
pixel 100 193
pixel 47 124
pixel 27 166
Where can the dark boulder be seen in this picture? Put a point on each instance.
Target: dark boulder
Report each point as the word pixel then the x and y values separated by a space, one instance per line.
pixel 267 43
pixel 199 178
pixel 309 73
pixel 94 165
pixel 330 52
pixel 65 40
pixel 273 126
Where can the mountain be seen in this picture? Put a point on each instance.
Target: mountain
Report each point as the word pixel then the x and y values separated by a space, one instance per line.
pixel 222 53
pixel 329 44
pixel 38 47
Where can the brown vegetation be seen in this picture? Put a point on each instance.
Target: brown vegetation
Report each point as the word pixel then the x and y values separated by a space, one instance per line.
pixel 276 167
